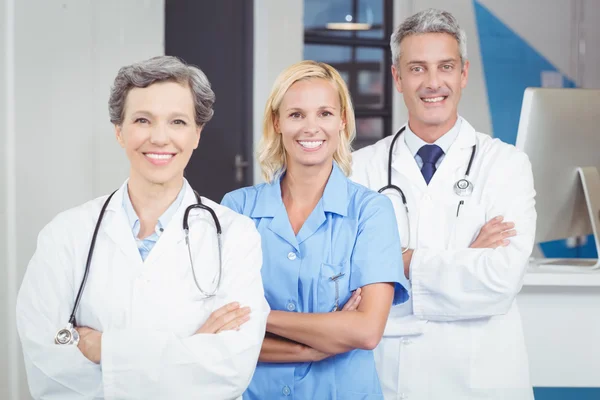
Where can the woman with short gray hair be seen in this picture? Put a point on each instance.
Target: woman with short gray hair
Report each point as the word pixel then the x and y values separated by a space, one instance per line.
pixel 152 292
pixel 160 69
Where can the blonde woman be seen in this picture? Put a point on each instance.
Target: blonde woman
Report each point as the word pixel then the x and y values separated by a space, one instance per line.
pixel 332 266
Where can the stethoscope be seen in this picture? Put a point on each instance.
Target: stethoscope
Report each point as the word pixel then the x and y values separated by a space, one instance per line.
pixel 463 187
pixel 69 334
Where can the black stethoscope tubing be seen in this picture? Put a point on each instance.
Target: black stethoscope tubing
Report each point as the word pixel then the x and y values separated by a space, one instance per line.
pixel 466 191
pixel 65 335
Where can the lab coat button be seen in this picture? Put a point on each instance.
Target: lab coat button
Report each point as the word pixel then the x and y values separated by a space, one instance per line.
pixel 403 396
pixel 406 341
pixel 286 390
pixel 291 256
pixel 291 306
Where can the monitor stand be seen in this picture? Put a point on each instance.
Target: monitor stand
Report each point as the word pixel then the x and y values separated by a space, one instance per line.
pixel 590 180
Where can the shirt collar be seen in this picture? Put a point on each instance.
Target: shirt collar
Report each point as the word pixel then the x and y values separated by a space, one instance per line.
pixel 163 220
pixel 335 195
pixel 414 143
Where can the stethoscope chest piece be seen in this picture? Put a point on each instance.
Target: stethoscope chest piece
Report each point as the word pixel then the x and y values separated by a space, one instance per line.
pixel 68 335
pixel 463 187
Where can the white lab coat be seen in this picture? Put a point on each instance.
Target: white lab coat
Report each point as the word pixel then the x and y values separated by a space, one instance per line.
pixel 147 311
pixel 460 335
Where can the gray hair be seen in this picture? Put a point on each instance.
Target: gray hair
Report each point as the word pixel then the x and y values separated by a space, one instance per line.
pixel 429 21
pixel 161 69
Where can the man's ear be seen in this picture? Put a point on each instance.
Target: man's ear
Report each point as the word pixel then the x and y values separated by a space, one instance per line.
pixel 397 79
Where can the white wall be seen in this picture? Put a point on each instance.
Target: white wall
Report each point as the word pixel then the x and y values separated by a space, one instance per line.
pixel 278 43
pixel 589 60
pixel 553 34
pixel 59 147
pixel 567 34
pixel 7 219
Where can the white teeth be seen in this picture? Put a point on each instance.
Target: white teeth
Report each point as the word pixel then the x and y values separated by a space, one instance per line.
pixel 159 156
pixel 433 99
pixel 313 144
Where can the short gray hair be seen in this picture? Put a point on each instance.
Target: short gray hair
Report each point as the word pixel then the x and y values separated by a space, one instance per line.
pixel 161 69
pixel 429 21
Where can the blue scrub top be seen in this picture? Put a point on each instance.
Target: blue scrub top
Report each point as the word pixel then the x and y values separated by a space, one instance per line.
pixel 352 231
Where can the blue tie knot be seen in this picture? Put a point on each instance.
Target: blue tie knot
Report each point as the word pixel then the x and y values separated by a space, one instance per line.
pixel 430 153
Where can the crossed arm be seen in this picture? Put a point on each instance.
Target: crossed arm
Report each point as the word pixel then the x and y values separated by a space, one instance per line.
pixel 495 233
pixel 306 337
pixel 484 279
pixel 139 354
pixel 278 349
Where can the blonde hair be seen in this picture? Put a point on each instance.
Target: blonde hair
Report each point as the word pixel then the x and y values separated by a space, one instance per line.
pixel 271 153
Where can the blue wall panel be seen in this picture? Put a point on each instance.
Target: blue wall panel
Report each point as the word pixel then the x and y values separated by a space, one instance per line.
pixel 511 65
pixel 567 393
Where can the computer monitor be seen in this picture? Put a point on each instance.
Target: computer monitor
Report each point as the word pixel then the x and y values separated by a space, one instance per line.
pixel 559 129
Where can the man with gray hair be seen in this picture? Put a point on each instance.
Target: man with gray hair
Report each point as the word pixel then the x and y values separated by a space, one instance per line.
pixel 465 205
pixel 152 292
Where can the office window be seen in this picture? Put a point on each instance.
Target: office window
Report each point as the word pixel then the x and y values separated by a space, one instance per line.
pixel 353 37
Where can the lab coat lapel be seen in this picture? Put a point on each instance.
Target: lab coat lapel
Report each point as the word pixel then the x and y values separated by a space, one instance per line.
pixel 404 163
pixel 173 233
pixel 116 226
pixel 457 157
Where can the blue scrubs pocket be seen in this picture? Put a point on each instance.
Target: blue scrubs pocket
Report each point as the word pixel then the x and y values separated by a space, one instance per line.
pixel 333 290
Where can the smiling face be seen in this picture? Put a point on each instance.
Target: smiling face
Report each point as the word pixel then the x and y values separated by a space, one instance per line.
pixel 431 78
pixel 310 121
pixel 159 132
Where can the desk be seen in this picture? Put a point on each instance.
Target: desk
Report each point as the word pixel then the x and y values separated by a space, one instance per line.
pixel 561 321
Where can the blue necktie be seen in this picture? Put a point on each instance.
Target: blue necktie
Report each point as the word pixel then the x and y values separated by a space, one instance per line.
pixel 430 154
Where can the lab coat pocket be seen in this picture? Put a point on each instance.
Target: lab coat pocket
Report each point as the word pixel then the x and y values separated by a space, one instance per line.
pixel 333 289
pixel 467 224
